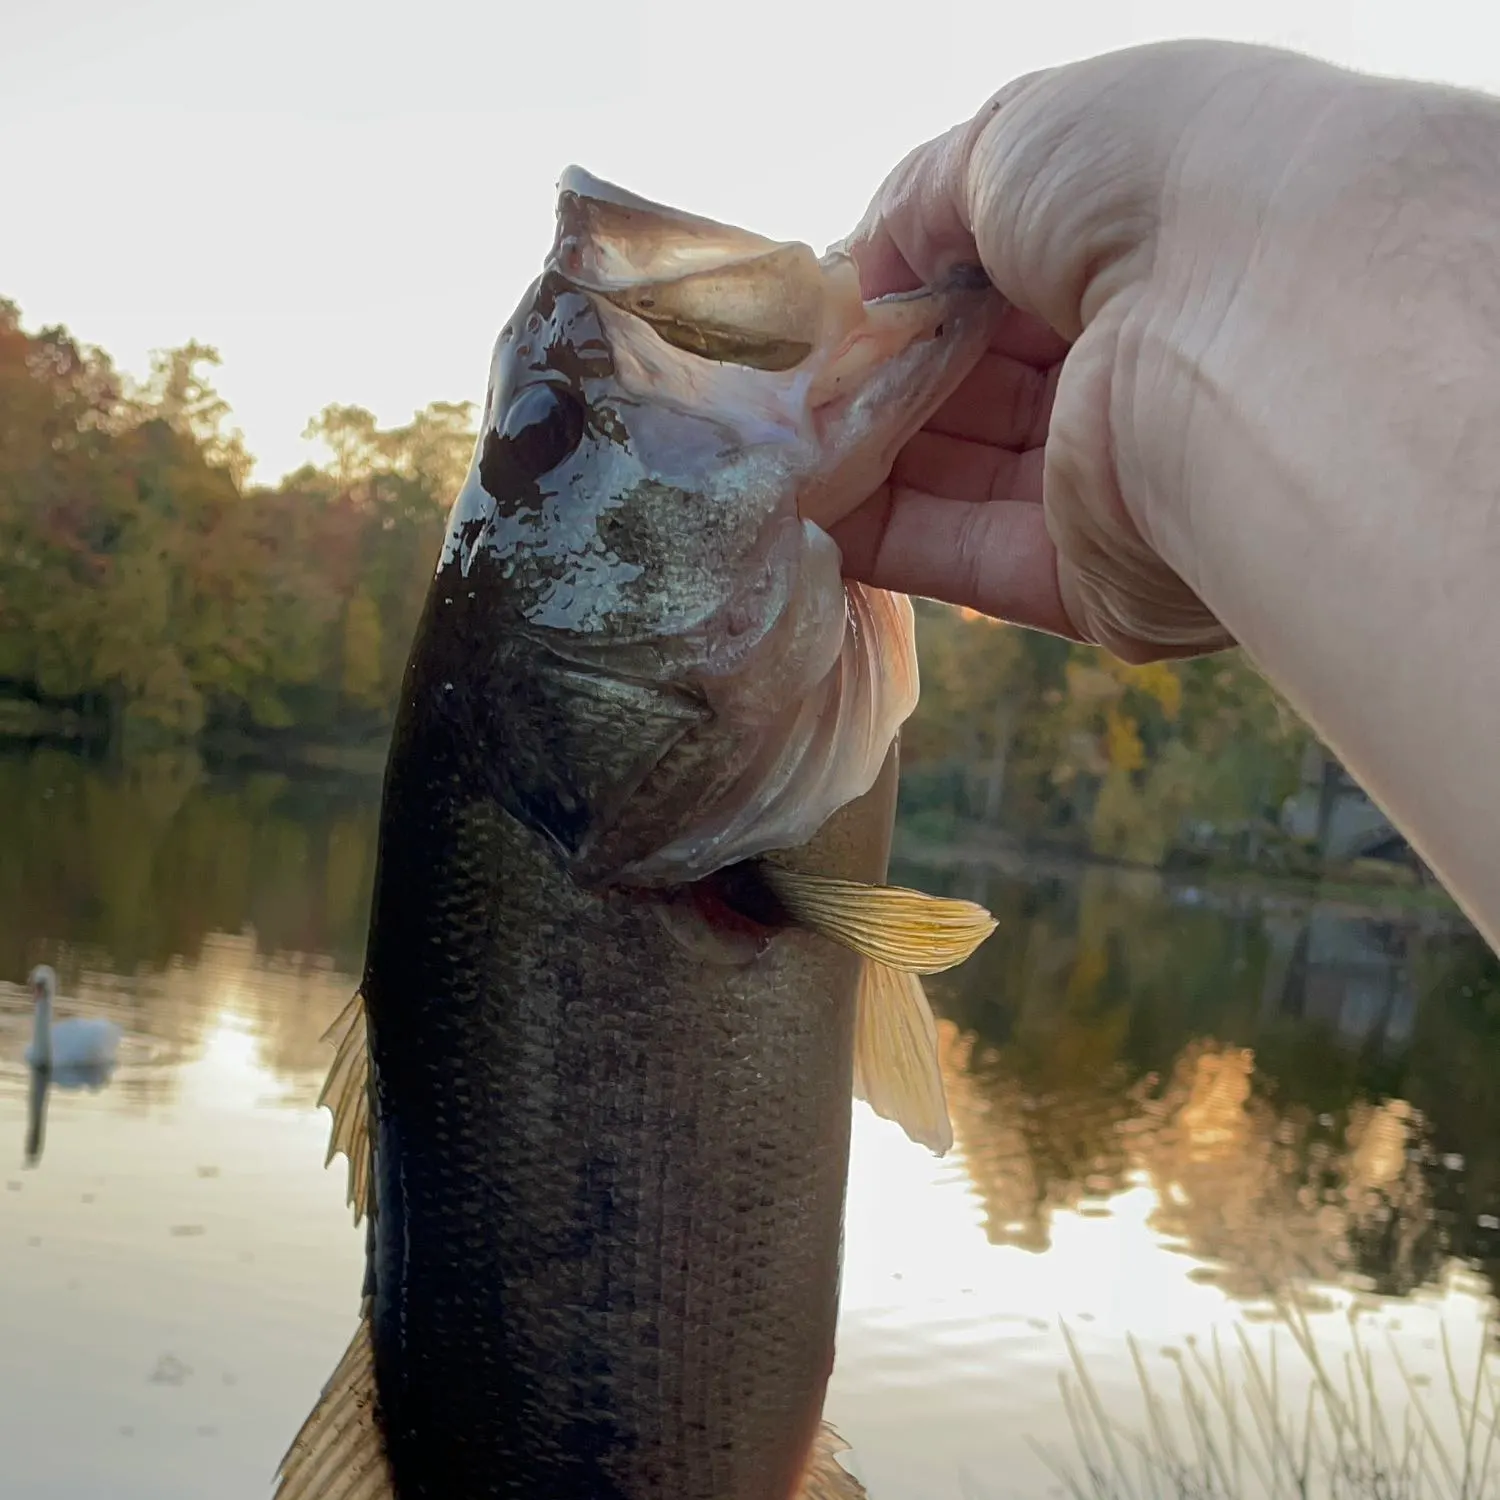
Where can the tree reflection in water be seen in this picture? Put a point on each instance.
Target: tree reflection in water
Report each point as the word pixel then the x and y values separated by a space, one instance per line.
pixel 1307 1087
pixel 1291 1129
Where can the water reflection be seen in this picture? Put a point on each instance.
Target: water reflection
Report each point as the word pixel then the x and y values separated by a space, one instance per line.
pixel 36 1114
pixel 137 867
pixel 1304 1090
pixel 92 1074
pixel 1347 973
pixel 180 1270
pixel 1172 1105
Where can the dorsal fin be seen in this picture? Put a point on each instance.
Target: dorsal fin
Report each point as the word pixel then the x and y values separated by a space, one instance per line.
pixel 339 1454
pixel 826 1478
pixel 346 1093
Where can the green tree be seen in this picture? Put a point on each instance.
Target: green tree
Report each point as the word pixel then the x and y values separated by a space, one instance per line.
pixel 362 680
pixel 1064 742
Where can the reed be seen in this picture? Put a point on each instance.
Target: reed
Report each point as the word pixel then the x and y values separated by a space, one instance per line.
pixel 1231 1432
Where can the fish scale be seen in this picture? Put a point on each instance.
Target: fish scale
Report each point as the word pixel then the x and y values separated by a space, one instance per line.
pixel 517 1114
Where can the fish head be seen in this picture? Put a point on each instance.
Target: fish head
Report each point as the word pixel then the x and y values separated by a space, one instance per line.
pixel 673 409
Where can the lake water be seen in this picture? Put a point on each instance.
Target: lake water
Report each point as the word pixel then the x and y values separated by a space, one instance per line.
pixel 1179 1112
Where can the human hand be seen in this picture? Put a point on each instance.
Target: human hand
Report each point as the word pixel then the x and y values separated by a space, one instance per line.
pixel 1119 205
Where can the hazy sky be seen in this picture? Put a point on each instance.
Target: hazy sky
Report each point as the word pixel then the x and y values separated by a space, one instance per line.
pixel 349 199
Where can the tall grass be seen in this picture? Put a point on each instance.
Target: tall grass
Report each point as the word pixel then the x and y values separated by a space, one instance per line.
pixel 1236 1435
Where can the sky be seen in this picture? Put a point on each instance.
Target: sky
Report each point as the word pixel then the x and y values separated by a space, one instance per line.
pixel 348 200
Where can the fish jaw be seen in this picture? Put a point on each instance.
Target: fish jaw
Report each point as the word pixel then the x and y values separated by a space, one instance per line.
pixel 891 370
pixel 865 374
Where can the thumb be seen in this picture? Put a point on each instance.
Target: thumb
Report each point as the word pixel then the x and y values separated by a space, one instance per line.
pixel 1060 183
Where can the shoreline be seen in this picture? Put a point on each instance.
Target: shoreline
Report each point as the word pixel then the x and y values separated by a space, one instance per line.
pixel 1337 889
pixel 1381 892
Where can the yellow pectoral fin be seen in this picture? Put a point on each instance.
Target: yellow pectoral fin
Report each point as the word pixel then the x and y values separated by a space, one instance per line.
pixel 905 930
pixel 896 1067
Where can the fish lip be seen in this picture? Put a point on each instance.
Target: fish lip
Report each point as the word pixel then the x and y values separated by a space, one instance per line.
pixel 576 181
pixel 963 277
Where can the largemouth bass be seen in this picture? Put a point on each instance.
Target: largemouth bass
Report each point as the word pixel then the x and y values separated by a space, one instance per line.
pixel 630 951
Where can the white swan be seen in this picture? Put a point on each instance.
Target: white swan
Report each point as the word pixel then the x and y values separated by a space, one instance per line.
pixel 78 1047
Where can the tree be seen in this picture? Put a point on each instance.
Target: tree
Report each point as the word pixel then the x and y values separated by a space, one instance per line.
pixel 1114 758
pixel 183 397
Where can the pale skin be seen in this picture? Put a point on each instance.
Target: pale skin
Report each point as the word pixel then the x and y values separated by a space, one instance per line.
pixel 1246 389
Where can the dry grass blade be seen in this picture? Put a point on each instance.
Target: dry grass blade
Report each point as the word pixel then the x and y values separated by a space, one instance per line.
pixel 1096 1410
pixel 1339 1442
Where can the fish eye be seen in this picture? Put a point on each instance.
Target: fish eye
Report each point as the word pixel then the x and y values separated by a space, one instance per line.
pixel 541 427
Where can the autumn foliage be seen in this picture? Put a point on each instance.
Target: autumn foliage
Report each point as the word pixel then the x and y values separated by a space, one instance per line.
pixel 1065 743
pixel 144 583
